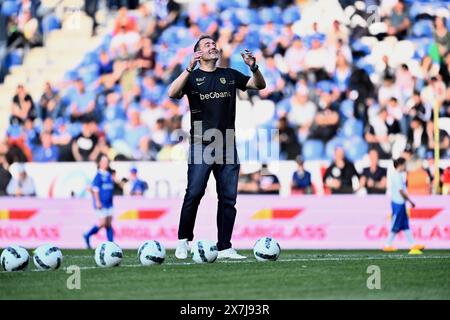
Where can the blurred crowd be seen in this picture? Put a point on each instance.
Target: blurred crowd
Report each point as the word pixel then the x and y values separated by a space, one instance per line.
pixel 332 89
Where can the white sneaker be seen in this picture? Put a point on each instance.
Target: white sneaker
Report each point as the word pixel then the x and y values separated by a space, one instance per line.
pixel 230 254
pixel 182 250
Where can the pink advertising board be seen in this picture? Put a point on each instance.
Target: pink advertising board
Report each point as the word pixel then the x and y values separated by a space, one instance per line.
pixel 301 222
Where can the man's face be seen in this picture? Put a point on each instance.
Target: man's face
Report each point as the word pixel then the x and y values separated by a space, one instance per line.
pixel 373 157
pixel 209 49
pixel 339 154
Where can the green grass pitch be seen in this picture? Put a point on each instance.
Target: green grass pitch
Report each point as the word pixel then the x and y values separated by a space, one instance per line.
pixel 298 274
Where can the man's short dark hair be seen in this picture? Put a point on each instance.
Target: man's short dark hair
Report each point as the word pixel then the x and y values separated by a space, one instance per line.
pixel 399 162
pixel 204 36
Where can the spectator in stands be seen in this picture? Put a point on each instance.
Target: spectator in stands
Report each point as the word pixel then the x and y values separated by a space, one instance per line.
pixel 5 175
pixel 83 103
pixel 274 81
pixel 301 179
pixel 373 178
pixel 316 60
pixel 398 22
pixel 326 121
pixel 445 178
pixel 444 69
pixel 416 108
pixel 295 58
pixel 418 179
pixel 287 137
pixel 47 151
pixel 339 175
pixel 135 129
pixel 22 184
pixel 62 138
pixel 301 111
pixel 395 111
pixel 22 106
pixel 259 182
pixel 49 104
pixel 384 135
pixel 148 150
pixel 151 112
pixel 444 141
pixel 146 56
pixel 418 137
pixel 387 91
pixel 118 184
pixel 441 35
pixel 85 145
pixel 91 7
pixel 135 186
pixel 105 64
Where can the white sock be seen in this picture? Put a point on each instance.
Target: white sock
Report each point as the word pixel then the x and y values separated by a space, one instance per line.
pixel 390 239
pixel 409 236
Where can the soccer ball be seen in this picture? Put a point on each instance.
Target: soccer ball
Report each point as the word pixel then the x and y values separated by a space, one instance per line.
pixel 151 252
pixel 266 249
pixel 14 258
pixel 47 257
pixel 204 251
pixel 108 254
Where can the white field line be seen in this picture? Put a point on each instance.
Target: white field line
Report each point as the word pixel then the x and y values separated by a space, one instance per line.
pixel 312 259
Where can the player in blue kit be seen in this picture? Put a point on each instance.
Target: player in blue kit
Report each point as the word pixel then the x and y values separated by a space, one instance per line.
pixel 102 190
pixel 399 197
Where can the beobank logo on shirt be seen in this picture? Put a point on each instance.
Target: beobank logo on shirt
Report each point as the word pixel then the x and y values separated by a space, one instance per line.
pixel 215 95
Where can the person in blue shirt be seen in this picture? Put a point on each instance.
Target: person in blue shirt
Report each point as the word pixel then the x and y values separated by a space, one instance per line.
pixel 399 197
pixel 301 179
pixel 47 151
pixel 137 187
pixel 102 190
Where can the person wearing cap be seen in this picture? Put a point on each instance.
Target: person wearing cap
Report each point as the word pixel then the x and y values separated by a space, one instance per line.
pixel 135 186
pixel 301 179
pixel 21 185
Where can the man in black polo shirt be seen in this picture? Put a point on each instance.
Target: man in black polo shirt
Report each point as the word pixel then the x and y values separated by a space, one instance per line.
pixel 211 92
pixel 373 178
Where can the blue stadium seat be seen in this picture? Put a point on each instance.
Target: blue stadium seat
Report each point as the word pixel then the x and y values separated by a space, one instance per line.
pixel 10 8
pixel 291 14
pixel 347 109
pixel 312 150
pixel 50 23
pixel 351 128
pixel 355 148
pixel 331 146
pixel 423 29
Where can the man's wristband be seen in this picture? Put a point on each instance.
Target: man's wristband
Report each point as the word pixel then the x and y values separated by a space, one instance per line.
pixel 254 68
pixel 188 70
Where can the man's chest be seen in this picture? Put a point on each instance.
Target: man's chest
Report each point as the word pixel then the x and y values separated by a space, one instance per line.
pixel 219 86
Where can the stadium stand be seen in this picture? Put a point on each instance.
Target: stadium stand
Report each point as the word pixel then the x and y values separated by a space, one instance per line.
pixel 356 78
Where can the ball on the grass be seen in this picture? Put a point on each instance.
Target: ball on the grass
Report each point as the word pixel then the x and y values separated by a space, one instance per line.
pixel 108 254
pixel 14 258
pixel 151 252
pixel 204 251
pixel 266 249
pixel 47 257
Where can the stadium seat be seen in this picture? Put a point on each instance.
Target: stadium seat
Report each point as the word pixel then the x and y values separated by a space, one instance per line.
pixel 347 109
pixel 291 14
pixel 423 29
pixel 332 145
pixel 10 7
pixel 351 128
pixel 50 23
pixel 312 150
pixel 355 148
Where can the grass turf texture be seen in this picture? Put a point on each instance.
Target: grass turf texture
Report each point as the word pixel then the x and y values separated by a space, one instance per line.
pixel 298 274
